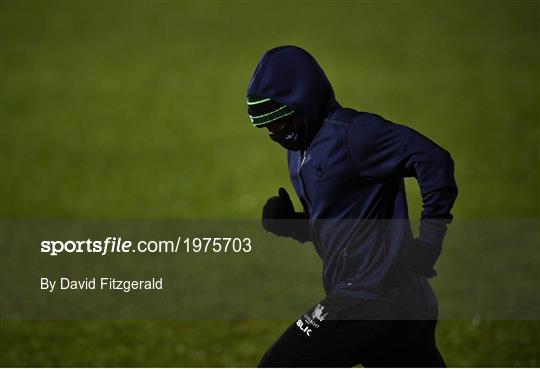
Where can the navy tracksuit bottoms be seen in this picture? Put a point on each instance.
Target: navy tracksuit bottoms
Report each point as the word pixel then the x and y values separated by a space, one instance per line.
pixel 313 340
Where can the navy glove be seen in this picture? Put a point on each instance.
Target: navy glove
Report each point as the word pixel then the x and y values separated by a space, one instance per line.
pixel 279 218
pixel 420 258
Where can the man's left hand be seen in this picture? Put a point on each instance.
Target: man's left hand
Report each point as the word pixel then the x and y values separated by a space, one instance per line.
pixel 420 258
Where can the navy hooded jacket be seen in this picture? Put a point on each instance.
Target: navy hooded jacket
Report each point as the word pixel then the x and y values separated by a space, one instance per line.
pixel 350 181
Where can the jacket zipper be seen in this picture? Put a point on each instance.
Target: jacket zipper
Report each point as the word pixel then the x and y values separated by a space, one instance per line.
pixel 304 155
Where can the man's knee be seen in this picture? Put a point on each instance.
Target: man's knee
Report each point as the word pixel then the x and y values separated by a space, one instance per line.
pixel 265 361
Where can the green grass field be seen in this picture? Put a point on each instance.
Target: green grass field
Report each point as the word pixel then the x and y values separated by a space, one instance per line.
pixel 137 111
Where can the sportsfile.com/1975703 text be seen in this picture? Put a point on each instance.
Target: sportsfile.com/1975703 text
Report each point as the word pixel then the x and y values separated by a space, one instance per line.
pixel 111 245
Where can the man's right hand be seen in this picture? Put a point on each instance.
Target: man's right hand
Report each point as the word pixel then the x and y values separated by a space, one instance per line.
pixel 279 207
pixel 279 218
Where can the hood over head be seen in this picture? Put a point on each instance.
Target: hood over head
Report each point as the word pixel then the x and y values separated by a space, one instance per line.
pixel 291 76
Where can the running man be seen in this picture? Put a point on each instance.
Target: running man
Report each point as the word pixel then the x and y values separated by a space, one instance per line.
pixel 348 168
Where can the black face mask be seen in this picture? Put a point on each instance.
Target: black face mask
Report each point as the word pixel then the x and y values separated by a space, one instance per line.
pixel 290 137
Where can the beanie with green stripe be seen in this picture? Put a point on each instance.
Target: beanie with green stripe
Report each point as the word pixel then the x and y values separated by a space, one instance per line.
pixel 263 111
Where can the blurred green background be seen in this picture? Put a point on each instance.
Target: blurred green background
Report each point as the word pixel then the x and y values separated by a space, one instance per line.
pixel 137 110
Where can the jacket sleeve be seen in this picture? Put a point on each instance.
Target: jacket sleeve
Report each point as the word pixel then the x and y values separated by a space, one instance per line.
pixel 381 150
